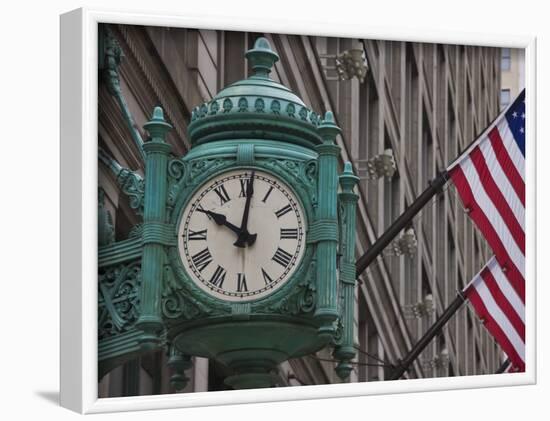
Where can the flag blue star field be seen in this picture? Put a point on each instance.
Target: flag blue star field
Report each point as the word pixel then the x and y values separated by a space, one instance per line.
pixel 490 179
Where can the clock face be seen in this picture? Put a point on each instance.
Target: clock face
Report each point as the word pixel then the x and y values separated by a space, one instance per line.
pixel 242 235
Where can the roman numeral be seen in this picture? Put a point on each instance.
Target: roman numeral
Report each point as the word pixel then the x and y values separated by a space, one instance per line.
pixel 202 259
pixel 267 194
pixel 289 233
pixel 241 283
pixel 218 277
pixel 267 278
pixel 282 257
pixel 283 211
pixel 197 235
pixel 222 193
pixel 245 187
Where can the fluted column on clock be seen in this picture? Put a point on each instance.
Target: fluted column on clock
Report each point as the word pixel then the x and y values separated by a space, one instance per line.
pixel 324 229
pixel 344 350
pixel 154 229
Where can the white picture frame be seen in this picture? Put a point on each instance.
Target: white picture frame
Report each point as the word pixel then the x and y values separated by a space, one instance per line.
pixel 79 214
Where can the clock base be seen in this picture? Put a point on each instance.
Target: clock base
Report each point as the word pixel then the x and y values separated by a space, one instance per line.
pixel 251 380
pixel 253 349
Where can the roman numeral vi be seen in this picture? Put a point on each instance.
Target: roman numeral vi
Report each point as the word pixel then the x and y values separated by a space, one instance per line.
pixel 241 282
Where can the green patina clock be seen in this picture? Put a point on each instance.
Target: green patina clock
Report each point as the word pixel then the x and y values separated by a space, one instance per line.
pixel 242 235
pixel 246 253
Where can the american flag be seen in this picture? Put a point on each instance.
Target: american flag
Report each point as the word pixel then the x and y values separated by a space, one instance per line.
pixel 490 179
pixel 501 310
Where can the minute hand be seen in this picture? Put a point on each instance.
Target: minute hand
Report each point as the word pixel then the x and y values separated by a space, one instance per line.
pixel 245 236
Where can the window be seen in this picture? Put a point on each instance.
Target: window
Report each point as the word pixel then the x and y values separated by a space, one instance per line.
pixel 450 144
pixel 371 342
pixel 505 59
pixel 504 98
pixel 443 370
pixel 412 114
pixel 427 173
pixel 451 266
pixel 441 229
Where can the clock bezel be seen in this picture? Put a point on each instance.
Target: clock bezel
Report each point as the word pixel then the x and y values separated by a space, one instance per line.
pixel 295 185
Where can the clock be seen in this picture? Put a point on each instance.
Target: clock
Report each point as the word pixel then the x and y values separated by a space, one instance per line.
pixel 242 235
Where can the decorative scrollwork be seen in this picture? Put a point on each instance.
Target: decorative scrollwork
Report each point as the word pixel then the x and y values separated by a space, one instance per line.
pixel 259 105
pixel 136 231
pixel 105 226
pixel 134 187
pixel 227 105
pixel 176 302
pixel 338 333
pixel 314 118
pixel 176 173
pixel 176 169
pixel 288 166
pixel 310 170
pixel 300 301
pixel 304 173
pixel 118 299
pixel 214 107
pixel 201 166
pixel 243 104
pixel 290 109
pixel 113 58
pixel 194 114
pixel 275 107
pixel 303 113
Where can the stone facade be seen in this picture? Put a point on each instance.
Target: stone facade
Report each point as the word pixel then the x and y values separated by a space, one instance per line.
pixel 425 102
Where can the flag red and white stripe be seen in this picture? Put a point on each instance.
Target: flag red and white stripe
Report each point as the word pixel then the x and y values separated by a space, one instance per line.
pixel 490 179
pixel 502 311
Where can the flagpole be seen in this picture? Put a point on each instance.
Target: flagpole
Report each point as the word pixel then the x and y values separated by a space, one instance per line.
pixel 503 367
pixel 403 365
pixel 380 244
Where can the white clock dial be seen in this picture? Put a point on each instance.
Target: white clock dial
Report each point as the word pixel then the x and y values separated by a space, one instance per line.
pixel 220 257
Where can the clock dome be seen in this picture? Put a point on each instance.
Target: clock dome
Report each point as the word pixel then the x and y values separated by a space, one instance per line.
pixel 256 108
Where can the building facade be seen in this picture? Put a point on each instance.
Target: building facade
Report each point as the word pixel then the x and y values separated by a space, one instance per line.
pixel 512 68
pixel 424 102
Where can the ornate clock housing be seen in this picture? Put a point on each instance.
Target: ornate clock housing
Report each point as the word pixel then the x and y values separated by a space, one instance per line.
pixel 223 265
pixel 241 235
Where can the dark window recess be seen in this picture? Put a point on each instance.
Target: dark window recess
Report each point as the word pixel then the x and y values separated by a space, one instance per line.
pixel 216 375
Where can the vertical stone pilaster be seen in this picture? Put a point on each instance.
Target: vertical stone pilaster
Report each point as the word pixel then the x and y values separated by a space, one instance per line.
pixel 154 214
pixel 326 228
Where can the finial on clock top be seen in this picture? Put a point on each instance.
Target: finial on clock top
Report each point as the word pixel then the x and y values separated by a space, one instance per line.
pixel 262 57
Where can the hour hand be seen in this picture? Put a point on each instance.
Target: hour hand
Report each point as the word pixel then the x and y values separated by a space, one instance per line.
pixel 221 220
